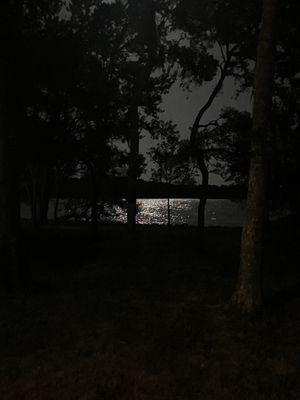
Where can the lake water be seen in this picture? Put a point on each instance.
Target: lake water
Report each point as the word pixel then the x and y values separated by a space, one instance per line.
pixel 183 211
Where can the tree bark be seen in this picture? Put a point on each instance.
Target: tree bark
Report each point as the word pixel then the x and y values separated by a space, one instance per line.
pixel 248 294
pixel 10 119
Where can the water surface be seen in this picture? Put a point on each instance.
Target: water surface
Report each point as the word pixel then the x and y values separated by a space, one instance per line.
pixel 154 211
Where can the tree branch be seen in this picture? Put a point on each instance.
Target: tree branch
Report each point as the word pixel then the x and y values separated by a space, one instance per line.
pixel 222 51
pixel 215 122
pixel 206 106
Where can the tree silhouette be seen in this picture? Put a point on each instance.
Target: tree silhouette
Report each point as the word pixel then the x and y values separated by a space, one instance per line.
pixel 147 54
pixel 11 81
pixel 248 292
pixel 226 143
pixel 171 161
pixel 51 72
pixel 219 43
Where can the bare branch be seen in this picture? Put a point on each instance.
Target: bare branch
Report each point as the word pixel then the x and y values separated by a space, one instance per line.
pixel 211 123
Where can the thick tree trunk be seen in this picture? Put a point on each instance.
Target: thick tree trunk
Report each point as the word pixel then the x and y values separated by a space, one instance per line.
pixel 10 116
pixel 9 212
pixel 248 295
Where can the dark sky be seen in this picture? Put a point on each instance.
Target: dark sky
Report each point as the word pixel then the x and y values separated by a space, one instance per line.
pixel 182 106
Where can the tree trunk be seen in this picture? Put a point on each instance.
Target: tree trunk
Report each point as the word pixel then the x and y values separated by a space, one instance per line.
pixel 197 152
pixel 169 214
pixel 44 196
pixel 133 169
pixel 40 196
pixel 57 196
pixel 94 204
pixel 10 119
pixel 34 201
pixel 148 19
pixel 44 207
pixel 9 211
pixel 56 206
pixel 202 202
pixel 248 295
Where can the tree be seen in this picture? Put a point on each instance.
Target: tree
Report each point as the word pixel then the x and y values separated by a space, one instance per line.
pixel 171 161
pixel 10 122
pixel 144 57
pixel 73 111
pixel 227 146
pixel 108 95
pixel 123 41
pixel 226 143
pixel 248 296
pixel 51 71
pixel 218 43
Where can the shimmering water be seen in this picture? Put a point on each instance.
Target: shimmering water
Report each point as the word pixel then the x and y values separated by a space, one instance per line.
pixel 183 212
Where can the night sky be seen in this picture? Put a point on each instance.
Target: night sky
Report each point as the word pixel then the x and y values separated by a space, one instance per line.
pixel 181 106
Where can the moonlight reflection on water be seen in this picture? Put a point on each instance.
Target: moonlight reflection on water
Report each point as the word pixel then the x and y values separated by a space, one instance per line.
pixel 184 212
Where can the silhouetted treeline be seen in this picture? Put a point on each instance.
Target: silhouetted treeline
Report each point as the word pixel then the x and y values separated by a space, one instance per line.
pixel 114 188
pixel 93 76
pixel 81 82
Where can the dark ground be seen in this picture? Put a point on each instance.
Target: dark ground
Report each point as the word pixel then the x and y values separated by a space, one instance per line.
pixel 148 318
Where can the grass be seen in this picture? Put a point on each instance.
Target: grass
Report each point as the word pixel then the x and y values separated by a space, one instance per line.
pixel 147 317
